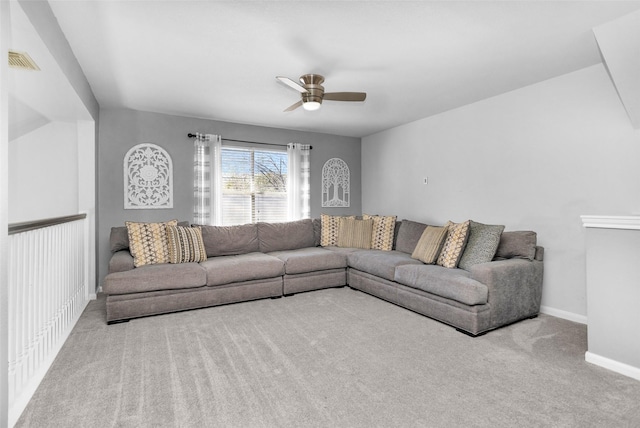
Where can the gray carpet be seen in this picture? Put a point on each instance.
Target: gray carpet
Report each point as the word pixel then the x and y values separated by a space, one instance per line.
pixel 330 358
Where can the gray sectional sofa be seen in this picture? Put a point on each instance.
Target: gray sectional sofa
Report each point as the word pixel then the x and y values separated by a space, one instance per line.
pixel 256 261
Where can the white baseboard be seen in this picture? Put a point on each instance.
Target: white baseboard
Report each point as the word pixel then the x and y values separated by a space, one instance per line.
pixel 582 319
pixel 615 366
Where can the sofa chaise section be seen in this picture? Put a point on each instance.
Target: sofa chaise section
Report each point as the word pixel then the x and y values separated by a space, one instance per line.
pixel 484 297
pixel 490 295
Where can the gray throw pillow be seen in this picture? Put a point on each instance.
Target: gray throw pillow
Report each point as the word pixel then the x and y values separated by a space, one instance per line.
pixel 482 244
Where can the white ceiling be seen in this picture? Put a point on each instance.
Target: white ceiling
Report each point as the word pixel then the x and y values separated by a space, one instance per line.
pixel 37 97
pixel 218 59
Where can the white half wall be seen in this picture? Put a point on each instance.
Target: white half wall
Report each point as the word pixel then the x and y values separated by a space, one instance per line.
pixel 532 159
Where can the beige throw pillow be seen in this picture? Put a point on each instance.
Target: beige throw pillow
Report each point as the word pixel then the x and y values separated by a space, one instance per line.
pixel 430 244
pixel 148 242
pixel 454 244
pixel 383 229
pixel 355 233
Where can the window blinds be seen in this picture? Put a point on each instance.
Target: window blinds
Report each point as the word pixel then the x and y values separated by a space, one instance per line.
pixel 254 185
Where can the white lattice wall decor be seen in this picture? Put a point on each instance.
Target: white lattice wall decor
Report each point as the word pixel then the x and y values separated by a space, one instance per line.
pixel 336 183
pixel 148 177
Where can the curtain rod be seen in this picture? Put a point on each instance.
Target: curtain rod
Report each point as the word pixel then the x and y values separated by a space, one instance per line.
pixel 190 135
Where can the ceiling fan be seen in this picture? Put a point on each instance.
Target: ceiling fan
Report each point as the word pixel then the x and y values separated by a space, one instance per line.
pixel 312 92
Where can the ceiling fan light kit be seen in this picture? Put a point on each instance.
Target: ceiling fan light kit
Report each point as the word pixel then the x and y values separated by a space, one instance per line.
pixel 312 92
pixel 311 105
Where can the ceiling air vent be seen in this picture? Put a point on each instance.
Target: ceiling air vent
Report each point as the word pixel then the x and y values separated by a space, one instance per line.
pixel 21 60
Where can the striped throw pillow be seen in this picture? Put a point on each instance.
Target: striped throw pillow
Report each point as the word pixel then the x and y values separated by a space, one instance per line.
pixel 148 242
pixel 185 244
pixel 430 244
pixel 355 233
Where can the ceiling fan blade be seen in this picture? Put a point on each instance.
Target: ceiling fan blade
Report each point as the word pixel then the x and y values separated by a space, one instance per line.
pixel 345 96
pixel 294 106
pixel 292 84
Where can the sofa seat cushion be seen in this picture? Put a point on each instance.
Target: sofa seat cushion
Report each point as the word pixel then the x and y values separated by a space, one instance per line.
pixel 454 284
pixel 244 267
pixel 379 263
pixel 155 277
pixel 310 260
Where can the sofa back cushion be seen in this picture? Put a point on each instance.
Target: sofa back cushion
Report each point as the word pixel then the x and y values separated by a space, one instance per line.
pixel 230 240
pixel 317 231
pixel 409 234
pixel 119 239
pixel 290 235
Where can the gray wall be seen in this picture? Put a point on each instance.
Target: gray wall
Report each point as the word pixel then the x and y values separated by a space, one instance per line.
pixel 535 158
pixel 122 129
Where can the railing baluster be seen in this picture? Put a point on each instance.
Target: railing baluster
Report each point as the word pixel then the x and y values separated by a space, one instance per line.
pixel 48 290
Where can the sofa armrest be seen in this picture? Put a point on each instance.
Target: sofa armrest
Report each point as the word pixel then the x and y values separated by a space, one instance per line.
pixel 515 288
pixel 121 261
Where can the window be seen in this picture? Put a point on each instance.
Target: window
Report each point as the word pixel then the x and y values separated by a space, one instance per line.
pixel 245 184
pixel 254 185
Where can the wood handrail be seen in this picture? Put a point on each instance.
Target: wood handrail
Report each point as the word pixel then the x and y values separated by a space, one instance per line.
pixel 39 224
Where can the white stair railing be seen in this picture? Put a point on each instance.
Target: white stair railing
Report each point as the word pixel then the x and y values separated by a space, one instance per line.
pixel 48 290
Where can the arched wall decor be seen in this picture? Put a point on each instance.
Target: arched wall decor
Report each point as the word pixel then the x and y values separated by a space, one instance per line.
pixel 148 177
pixel 335 184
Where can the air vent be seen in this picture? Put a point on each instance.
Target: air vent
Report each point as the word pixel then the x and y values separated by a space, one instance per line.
pixel 21 60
